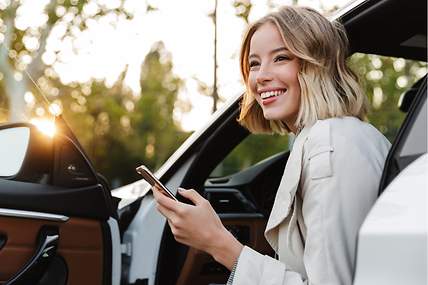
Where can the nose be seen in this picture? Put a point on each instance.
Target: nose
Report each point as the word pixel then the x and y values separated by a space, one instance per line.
pixel 263 76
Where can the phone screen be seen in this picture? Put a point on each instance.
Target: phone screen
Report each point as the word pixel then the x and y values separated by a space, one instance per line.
pixel 149 177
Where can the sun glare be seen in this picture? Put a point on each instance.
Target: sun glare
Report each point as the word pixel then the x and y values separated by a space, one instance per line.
pixel 46 126
pixel 55 109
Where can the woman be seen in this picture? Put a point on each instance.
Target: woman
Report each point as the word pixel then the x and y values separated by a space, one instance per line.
pixel 293 64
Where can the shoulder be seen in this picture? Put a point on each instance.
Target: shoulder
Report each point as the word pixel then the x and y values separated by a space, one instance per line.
pixel 319 134
pixel 342 145
pixel 344 132
pixel 350 127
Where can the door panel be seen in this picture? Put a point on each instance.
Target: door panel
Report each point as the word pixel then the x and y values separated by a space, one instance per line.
pixel 80 245
pixel 55 181
pixel 87 202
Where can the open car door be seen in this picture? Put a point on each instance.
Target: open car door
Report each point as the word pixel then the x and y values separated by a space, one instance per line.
pixel 57 218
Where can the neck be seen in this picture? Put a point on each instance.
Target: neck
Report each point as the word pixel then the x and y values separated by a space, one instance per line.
pixel 293 128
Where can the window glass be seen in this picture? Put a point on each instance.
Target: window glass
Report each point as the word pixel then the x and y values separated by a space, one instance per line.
pixel 384 79
pixel 251 150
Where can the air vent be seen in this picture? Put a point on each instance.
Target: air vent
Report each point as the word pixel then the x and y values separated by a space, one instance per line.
pixel 219 180
pixel 229 201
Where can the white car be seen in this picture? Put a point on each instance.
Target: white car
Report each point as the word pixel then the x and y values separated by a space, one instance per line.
pixel 60 224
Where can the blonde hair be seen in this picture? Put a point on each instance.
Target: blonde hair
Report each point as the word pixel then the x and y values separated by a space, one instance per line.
pixel 329 88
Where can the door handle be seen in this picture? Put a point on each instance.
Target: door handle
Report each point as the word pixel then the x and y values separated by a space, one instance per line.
pixel 3 240
pixel 35 268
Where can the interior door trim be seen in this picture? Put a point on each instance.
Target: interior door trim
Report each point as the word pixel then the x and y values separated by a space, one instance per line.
pixel 32 215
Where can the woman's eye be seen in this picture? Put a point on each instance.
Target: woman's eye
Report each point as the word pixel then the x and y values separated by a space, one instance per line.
pixel 253 63
pixel 281 58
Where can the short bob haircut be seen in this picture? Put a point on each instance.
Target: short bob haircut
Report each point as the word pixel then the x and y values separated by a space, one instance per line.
pixel 329 88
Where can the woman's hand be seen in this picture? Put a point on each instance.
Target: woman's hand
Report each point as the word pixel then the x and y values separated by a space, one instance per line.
pixel 199 226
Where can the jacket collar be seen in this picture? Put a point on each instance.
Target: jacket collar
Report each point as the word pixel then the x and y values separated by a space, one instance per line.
pixel 287 188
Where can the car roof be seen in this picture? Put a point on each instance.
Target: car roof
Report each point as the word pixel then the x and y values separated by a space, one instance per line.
pixel 395 28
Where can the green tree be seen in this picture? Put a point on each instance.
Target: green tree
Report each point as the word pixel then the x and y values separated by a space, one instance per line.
pixel 384 80
pixel 4 110
pixel 159 135
pixel 23 46
pixel 242 9
pixel 121 130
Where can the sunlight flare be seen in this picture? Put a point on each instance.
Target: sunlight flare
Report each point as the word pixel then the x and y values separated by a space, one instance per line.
pixel 46 126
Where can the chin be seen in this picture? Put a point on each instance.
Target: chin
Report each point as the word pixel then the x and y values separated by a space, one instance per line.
pixel 271 117
pixel 280 116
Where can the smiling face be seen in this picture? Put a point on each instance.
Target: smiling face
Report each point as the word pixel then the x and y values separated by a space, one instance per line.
pixel 273 75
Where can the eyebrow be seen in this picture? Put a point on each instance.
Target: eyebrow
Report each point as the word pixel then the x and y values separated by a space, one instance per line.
pixel 272 51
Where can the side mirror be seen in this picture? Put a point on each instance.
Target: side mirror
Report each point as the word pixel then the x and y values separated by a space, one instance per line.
pixel 26 154
pixel 13 148
pixel 29 155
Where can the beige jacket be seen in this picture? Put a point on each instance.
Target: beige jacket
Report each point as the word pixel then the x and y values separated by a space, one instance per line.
pixel 329 184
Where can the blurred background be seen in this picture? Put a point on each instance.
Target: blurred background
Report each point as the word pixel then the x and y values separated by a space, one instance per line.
pixel 135 78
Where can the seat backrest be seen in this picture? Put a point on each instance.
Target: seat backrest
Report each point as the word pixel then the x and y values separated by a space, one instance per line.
pixel 411 140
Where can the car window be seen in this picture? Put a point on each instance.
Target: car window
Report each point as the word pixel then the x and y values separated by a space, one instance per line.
pixel 384 79
pixel 252 149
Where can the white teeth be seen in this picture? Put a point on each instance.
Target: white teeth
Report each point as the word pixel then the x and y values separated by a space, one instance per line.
pixel 268 94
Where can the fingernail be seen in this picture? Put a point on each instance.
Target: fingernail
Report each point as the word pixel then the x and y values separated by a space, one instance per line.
pixel 181 190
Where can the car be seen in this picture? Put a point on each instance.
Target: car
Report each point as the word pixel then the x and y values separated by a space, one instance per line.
pixel 61 224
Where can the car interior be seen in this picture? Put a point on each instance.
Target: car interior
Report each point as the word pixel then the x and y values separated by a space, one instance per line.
pixel 71 244
pixel 243 200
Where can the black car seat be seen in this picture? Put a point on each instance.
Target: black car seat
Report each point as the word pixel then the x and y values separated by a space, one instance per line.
pixel 413 102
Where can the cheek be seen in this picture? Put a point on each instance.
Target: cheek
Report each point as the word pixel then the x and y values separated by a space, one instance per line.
pixel 252 82
pixel 297 91
pixel 294 86
pixel 252 85
pixel 295 98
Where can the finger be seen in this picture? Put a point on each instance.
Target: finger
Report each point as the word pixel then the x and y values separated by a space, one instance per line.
pixel 175 231
pixel 159 190
pixel 192 195
pixel 166 201
pixel 155 193
pixel 170 215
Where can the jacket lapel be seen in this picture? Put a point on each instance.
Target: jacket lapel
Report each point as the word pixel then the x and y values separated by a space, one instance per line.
pixel 286 190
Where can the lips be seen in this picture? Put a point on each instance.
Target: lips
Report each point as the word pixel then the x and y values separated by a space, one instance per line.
pixel 269 100
pixel 272 93
pixel 271 96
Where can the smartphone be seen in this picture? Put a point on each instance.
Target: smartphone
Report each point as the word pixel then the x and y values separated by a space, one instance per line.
pixel 149 177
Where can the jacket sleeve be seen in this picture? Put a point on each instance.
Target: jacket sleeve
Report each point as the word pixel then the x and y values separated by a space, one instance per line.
pixel 255 268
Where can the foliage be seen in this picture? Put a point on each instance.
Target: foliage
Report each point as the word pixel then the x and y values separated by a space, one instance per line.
pixel 120 130
pixel 242 9
pixel 24 41
pixel 384 80
pixel 4 110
